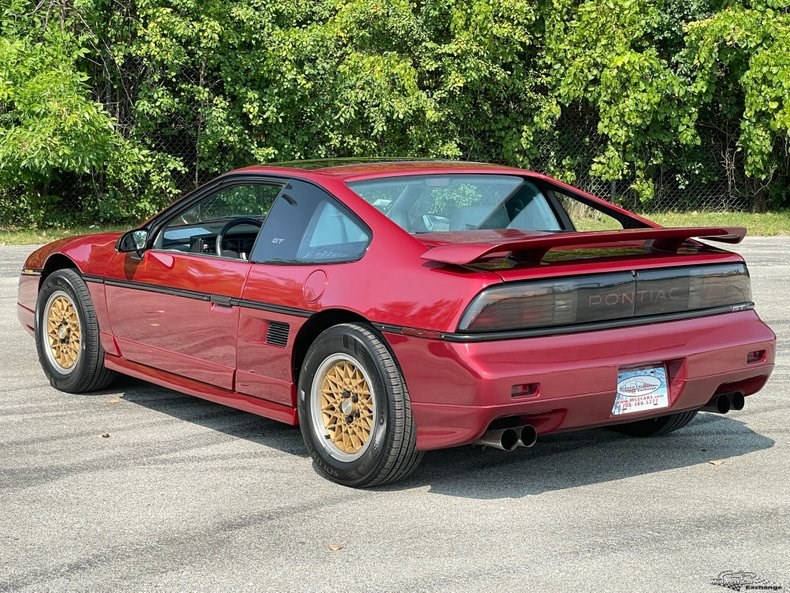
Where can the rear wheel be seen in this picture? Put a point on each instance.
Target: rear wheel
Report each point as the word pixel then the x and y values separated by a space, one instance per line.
pixel 654 427
pixel 354 409
pixel 67 335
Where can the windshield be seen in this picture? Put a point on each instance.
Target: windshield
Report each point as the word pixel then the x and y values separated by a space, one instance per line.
pixel 436 203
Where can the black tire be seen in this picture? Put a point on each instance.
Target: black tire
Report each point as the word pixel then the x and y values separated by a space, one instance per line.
pixel 654 427
pixel 87 372
pixel 389 451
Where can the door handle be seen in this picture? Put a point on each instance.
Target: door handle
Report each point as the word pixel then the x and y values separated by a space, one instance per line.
pixel 221 301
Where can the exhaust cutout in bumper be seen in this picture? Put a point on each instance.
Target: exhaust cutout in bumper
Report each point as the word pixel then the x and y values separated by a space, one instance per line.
pixel 507 439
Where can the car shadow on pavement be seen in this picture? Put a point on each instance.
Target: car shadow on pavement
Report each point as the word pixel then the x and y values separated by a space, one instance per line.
pixel 568 460
pixel 230 421
pixel 556 462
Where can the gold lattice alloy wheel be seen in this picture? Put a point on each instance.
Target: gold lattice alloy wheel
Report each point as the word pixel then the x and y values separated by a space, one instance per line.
pixel 343 407
pixel 63 332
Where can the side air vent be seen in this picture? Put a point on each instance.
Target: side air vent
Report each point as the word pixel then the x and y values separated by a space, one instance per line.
pixel 278 333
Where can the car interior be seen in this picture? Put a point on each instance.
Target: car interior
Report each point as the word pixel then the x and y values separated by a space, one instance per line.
pixel 226 238
pixel 225 223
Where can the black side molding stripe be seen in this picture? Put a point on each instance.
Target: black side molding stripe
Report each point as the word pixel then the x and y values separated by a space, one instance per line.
pixel 182 292
pixel 201 296
pixel 272 308
pixel 92 278
pixel 388 327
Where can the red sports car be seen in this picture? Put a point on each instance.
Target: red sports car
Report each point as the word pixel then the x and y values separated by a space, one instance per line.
pixel 391 308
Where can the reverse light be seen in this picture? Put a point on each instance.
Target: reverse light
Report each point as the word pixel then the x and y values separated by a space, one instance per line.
pixel 602 297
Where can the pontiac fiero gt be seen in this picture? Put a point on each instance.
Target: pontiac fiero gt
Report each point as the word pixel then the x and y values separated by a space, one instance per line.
pixel 396 307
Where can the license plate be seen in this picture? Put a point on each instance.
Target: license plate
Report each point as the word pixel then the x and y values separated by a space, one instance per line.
pixel 639 390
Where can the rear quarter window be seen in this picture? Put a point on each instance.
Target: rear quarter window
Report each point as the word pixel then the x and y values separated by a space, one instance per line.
pixel 307 225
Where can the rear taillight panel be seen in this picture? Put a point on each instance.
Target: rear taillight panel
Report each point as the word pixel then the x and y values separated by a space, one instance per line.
pixel 603 297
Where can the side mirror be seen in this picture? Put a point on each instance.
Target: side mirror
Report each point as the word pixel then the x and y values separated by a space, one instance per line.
pixel 136 240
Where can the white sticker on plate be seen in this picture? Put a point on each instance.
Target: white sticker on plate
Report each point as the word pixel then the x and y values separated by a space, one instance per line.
pixel 642 389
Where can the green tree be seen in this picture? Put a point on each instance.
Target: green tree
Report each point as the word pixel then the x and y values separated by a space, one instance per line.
pixel 124 103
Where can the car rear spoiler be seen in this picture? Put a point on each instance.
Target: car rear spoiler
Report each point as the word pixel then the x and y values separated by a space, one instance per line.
pixel 534 248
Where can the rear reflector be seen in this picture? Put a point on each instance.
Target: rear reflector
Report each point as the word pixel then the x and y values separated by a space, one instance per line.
pixel 602 297
pixel 525 390
pixel 756 356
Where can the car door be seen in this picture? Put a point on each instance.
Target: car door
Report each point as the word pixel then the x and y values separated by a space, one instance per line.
pixel 305 241
pixel 175 308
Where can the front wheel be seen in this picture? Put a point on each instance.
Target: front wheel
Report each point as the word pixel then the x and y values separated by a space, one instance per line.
pixel 67 335
pixel 654 427
pixel 354 409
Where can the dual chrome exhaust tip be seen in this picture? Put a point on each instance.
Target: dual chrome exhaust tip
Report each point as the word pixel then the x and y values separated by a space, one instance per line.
pixel 508 439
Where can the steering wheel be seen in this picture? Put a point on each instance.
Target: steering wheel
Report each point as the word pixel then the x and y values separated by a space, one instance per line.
pixel 229 225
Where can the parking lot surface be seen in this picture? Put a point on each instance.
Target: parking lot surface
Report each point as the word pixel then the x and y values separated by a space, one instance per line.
pixel 138 488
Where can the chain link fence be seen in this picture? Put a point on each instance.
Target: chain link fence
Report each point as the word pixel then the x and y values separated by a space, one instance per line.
pixel 714 183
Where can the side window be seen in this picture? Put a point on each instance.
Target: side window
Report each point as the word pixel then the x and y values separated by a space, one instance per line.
pixel 253 199
pixel 584 217
pixel 307 225
pixel 232 215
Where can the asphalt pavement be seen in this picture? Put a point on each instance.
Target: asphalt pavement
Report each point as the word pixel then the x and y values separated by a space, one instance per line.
pixel 138 488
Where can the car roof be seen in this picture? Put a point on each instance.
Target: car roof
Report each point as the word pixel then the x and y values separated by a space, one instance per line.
pixel 356 168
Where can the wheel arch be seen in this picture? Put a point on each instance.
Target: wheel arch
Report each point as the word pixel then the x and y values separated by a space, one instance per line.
pixel 55 262
pixel 313 327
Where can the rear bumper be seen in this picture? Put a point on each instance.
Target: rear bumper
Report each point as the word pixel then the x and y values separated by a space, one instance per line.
pixel 458 389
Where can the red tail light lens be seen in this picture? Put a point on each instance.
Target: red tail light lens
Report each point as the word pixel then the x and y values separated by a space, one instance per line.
pixel 622 295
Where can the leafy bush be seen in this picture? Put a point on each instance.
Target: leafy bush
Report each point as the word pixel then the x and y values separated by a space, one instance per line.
pixel 108 110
